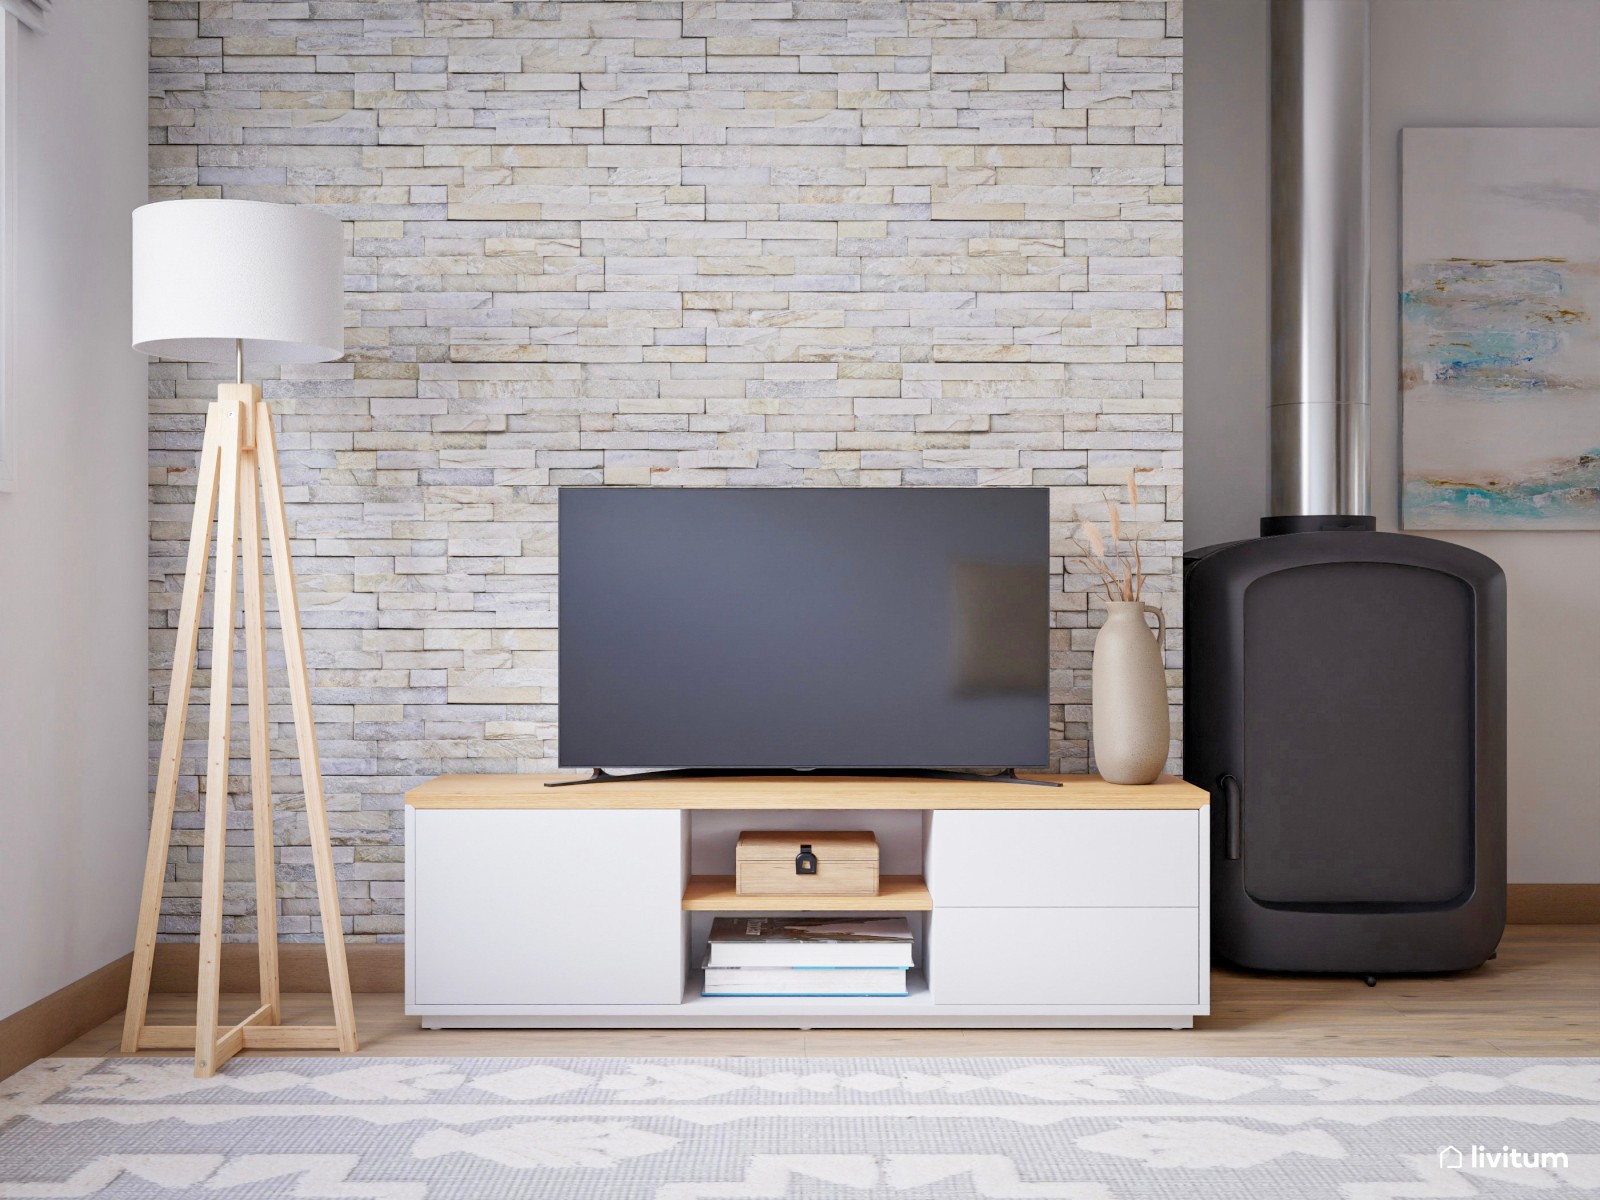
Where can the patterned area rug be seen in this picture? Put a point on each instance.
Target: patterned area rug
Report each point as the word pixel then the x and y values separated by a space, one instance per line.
pixel 696 1129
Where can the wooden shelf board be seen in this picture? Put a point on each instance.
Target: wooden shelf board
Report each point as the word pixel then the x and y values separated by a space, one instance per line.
pixel 824 792
pixel 896 893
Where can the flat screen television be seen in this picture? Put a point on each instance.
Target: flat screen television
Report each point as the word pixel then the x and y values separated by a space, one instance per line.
pixel 804 628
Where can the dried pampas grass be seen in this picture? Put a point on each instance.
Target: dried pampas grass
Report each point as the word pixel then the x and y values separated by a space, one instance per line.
pixel 1121 571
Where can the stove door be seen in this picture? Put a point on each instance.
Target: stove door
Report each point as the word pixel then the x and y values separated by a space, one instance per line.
pixel 1359 695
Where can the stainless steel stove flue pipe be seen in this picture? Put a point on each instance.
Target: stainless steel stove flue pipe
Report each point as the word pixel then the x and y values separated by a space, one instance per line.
pixel 1320 271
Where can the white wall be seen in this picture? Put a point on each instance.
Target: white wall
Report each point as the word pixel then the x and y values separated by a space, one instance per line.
pixel 73 532
pixel 1434 62
pixel 1225 270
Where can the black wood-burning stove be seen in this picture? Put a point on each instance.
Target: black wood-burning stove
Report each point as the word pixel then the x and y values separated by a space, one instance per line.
pixel 1344 696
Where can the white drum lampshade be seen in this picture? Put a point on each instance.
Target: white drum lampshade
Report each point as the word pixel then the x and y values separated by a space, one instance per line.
pixel 209 272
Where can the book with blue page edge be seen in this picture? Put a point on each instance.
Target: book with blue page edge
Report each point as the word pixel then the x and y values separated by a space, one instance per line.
pixel 805 981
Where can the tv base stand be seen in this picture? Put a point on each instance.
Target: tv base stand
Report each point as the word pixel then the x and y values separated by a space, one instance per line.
pixel 1080 905
pixel 601 775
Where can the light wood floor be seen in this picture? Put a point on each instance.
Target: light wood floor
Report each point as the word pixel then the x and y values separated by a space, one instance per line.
pixel 1540 997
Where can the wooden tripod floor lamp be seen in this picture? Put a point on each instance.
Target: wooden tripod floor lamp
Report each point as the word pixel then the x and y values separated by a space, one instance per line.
pixel 220 281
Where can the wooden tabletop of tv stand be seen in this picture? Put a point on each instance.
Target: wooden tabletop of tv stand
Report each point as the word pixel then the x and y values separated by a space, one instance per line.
pixel 848 792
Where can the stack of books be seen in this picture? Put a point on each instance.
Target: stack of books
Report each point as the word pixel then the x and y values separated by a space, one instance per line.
pixel 808 956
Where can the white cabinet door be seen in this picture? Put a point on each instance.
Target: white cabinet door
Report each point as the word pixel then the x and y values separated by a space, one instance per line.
pixel 1147 858
pixel 1095 956
pixel 546 907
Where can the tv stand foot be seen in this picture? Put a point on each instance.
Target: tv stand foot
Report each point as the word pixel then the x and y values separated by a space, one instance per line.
pixel 595 775
pixel 1009 775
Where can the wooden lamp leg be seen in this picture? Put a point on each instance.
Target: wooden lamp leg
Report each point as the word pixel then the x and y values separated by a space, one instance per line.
pixel 183 656
pixel 305 730
pixel 255 658
pixel 218 755
pixel 239 454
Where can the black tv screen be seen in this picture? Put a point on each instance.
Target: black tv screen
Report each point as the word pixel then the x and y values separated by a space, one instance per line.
pixel 804 627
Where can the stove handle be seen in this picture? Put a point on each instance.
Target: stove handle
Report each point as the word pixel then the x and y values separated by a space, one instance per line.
pixel 1233 815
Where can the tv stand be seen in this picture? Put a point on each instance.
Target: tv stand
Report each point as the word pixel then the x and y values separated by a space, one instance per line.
pixel 1080 905
pixel 601 775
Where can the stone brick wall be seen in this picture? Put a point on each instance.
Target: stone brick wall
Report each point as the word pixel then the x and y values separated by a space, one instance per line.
pixel 874 243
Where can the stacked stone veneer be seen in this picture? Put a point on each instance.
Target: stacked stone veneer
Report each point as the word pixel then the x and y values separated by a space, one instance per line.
pixel 858 243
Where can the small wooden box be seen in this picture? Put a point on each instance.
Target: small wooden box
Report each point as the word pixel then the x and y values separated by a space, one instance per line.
pixel 770 862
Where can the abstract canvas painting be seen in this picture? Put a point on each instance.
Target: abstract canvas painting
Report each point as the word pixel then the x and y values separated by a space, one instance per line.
pixel 1500 329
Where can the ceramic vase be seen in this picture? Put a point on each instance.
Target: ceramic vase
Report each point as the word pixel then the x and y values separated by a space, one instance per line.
pixel 1131 728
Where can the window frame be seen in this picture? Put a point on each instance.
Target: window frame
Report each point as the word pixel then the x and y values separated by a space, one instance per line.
pixel 8 77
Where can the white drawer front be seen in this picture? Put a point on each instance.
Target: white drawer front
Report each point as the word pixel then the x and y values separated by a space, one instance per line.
pixel 555 907
pixel 1148 858
pixel 1093 956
